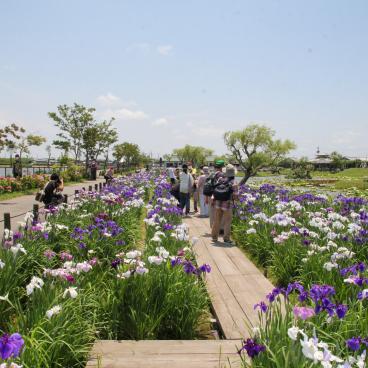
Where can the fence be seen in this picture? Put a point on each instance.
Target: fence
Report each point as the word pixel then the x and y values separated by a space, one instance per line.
pixel 36 207
pixel 8 170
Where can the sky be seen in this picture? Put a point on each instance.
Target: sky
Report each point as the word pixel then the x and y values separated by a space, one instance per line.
pixel 184 72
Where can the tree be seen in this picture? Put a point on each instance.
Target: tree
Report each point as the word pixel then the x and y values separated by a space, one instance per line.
pixel 338 161
pixel 73 121
pixel 195 154
pixel 28 141
pixel 302 169
pixel 128 152
pixel 9 135
pixel 255 148
pixel 49 153
pixel 64 146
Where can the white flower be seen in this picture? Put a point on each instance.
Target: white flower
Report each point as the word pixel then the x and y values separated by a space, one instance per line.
pixel 309 348
pixel 162 252
pixel 251 231
pixel 124 275
pixel 53 311
pixel 72 291
pixel 17 248
pixel 5 298
pixel 36 283
pixel 133 254
pixel 365 294
pixel 157 260
pixel 330 265
pixel 141 270
pixel 84 266
pixel 2 264
pixel 293 333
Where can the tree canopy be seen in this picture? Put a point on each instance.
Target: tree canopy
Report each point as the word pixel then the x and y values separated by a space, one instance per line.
pixel 81 133
pixel 255 148
pixel 128 152
pixel 195 154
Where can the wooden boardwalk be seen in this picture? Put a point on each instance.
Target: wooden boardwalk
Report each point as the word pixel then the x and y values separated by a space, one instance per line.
pixel 165 354
pixel 234 286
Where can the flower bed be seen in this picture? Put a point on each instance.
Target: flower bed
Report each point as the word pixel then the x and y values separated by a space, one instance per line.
pixel 314 248
pixel 84 275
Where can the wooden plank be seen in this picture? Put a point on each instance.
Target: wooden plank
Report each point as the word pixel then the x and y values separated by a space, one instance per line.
pixel 235 284
pixel 165 353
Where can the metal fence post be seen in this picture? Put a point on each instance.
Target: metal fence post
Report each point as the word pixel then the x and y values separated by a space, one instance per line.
pixel 7 223
pixel 65 200
pixel 90 188
pixel 96 187
pixel 100 185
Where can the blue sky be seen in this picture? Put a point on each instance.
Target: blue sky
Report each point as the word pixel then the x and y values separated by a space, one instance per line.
pixel 176 72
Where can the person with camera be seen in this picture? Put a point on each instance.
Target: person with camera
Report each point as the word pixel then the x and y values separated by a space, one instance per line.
pixel 52 191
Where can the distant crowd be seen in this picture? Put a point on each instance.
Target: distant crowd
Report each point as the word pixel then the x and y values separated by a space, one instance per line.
pixel 213 193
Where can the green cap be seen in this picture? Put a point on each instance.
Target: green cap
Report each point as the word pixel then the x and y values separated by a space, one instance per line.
pixel 219 163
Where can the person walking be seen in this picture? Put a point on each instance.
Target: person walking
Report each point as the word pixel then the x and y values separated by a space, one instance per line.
pixel 224 194
pixel 186 185
pixel 93 168
pixel 202 199
pixel 209 186
pixel 17 167
pixel 195 193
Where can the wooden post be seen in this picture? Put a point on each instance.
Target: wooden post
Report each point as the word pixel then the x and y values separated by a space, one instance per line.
pixel 65 198
pixel 90 188
pixel 84 189
pixel 35 212
pixel 100 186
pixel 96 187
pixel 7 223
pixel 104 185
pixel 76 192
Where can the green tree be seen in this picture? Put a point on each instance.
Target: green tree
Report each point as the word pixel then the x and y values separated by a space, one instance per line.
pixel 26 142
pixel 255 148
pixel 195 154
pixel 49 153
pixel 128 152
pixel 338 161
pixel 73 121
pixel 302 169
pixel 9 135
pixel 63 146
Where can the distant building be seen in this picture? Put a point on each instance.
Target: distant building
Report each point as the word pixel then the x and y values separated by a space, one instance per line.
pixel 321 161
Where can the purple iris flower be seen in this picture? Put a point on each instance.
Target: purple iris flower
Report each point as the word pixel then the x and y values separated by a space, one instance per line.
pixel 11 345
pixel 353 343
pixel 341 310
pixel 206 268
pixel 252 348
pixel 262 306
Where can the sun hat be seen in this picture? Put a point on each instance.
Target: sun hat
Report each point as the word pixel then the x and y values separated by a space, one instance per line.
pixel 219 163
pixel 230 171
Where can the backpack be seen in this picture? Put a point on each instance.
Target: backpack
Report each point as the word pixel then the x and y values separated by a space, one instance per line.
pixel 209 186
pixel 223 189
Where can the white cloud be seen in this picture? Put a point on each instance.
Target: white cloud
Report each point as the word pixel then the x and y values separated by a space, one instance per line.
pixel 160 122
pixel 127 114
pixel 108 100
pixel 164 50
pixel 345 137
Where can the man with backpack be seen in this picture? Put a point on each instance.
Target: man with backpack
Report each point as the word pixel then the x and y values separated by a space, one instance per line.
pixel 209 187
pixel 224 192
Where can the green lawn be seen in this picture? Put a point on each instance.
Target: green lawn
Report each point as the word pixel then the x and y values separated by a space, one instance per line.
pixel 348 173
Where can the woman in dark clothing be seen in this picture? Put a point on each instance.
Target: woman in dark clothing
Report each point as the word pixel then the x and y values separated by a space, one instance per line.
pixel 52 190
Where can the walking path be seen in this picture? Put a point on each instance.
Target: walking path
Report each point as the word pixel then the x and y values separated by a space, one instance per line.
pixel 18 206
pixel 234 285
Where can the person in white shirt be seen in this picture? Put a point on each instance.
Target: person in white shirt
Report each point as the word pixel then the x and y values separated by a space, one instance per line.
pixel 186 185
